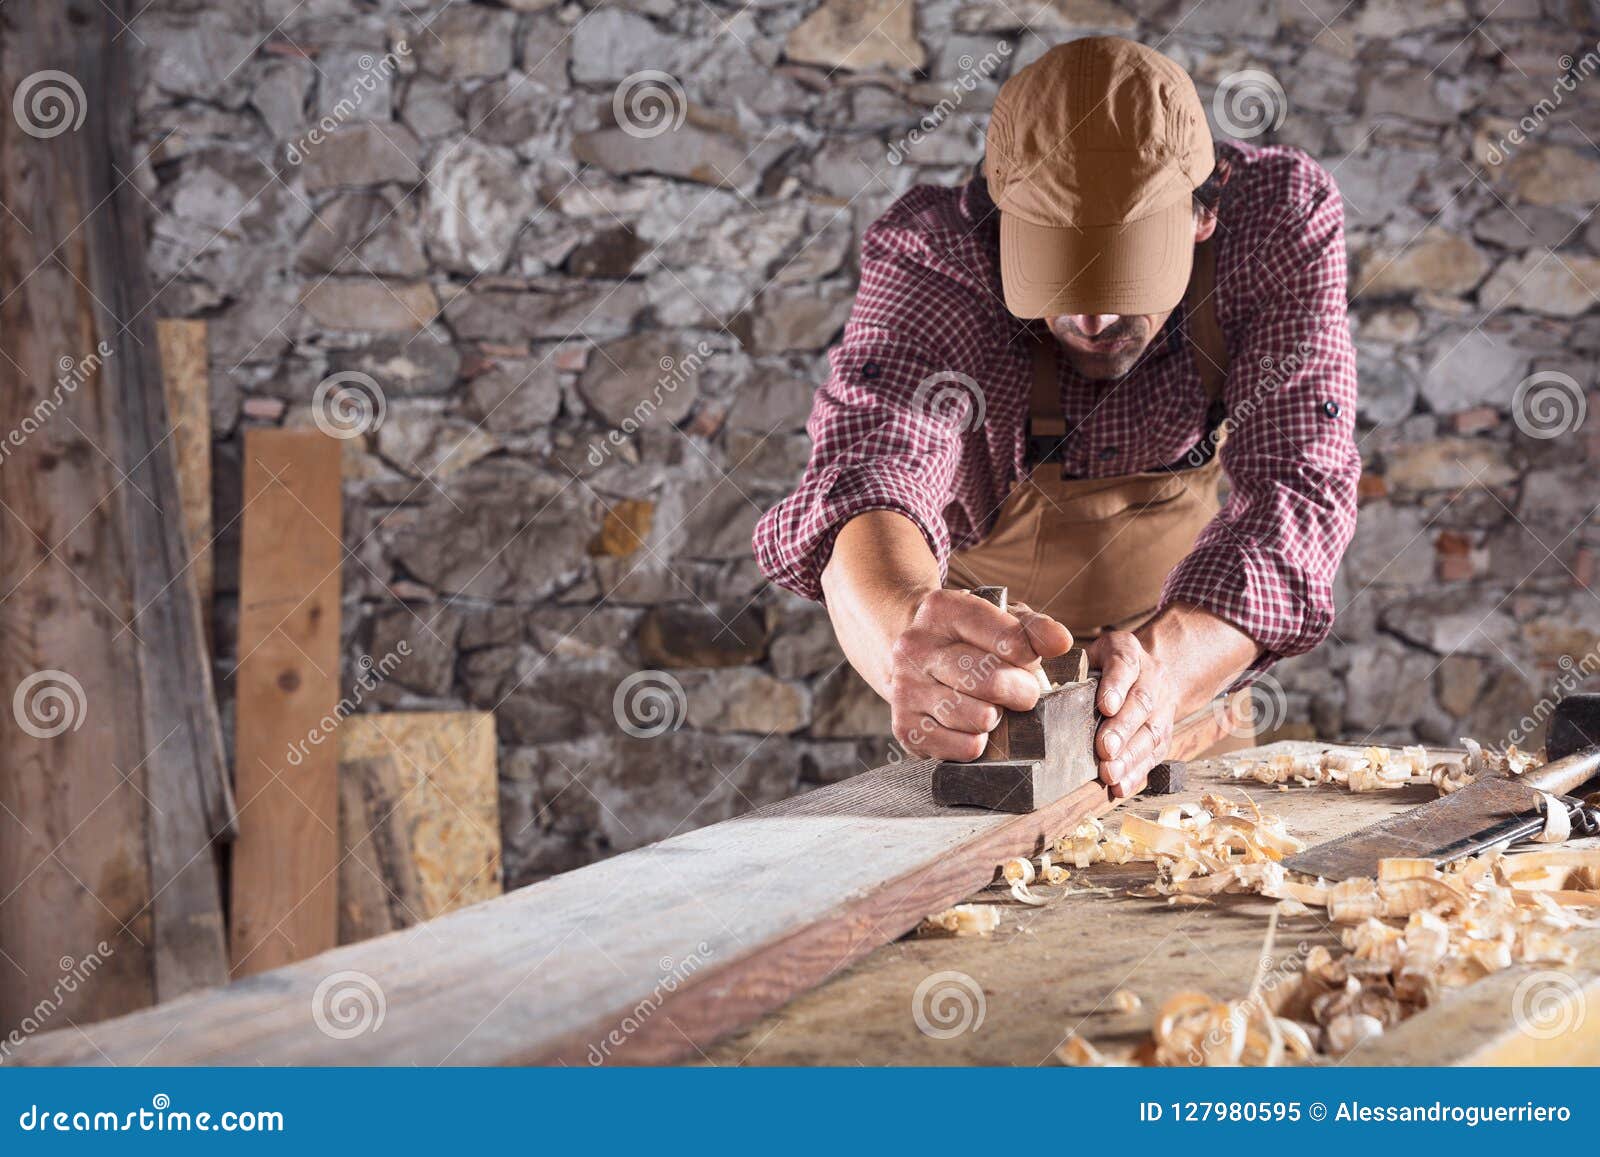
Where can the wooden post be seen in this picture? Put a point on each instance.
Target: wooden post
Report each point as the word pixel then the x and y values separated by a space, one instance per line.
pixel 113 786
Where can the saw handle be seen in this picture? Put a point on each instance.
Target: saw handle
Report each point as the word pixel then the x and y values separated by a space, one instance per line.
pixel 1564 776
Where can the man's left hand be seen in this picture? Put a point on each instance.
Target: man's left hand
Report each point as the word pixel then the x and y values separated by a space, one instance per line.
pixel 1138 699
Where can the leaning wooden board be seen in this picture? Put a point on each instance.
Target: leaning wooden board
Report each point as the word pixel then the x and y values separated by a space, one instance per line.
pixel 1051 971
pixel 285 861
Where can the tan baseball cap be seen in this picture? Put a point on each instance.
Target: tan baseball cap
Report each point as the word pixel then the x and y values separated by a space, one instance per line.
pixel 1094 153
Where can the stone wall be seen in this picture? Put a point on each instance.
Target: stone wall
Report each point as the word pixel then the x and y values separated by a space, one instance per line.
pixel 591 258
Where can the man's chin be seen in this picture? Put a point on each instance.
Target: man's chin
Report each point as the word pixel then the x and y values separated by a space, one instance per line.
pixel 1102 367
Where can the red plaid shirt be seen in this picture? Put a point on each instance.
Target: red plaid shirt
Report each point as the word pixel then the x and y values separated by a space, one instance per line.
pixel 929 303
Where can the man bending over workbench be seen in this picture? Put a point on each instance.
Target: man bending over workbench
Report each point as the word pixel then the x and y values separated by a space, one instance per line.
pixel 1044 379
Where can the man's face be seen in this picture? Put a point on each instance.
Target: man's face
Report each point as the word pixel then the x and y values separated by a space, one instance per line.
pixel 1105 346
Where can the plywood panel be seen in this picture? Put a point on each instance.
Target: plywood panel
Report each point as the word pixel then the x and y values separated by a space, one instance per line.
pixel 445 797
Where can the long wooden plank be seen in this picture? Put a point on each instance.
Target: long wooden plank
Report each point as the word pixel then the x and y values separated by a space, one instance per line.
pixel 112 782
pixel 641 958
pixel 439 798
pixel 186 376
pixel 286 769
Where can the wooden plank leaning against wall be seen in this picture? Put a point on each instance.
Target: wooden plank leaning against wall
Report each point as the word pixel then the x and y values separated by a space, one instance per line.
pixel 286 761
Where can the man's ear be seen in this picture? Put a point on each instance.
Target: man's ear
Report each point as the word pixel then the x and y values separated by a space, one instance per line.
pixel 1205 223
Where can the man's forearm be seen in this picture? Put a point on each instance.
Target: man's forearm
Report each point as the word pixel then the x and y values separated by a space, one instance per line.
pixel 880 570
pixel 1201 652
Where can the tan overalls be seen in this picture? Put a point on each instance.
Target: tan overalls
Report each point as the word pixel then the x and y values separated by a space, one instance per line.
pixel 1093 553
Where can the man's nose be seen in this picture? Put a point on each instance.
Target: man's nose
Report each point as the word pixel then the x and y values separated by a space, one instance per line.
pixel 1093 324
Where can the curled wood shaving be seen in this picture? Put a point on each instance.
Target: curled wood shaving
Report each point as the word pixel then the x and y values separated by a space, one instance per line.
pixel 1126 1001
pixel 1557 823
pixel 1079 1053
pixel 1405 936
pixel 1382 768
pixel 962 920
pixel 1019 874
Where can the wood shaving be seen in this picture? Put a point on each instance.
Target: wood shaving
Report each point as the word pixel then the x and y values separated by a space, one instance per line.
pixel 1019 874
pixel 962 920
pixel 1407 935
pixel 1557 823
pixel 1126 1001
pixel 1382 768
pixel 1079 1053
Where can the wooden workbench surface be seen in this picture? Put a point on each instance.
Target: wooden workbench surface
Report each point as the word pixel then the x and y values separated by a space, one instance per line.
pixel 1049 971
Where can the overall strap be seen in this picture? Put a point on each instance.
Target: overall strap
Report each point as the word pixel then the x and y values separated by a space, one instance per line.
pixel 1047 424
pixel 1205 331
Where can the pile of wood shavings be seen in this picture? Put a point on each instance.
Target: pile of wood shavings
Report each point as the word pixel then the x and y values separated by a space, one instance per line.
pixel 1381 768
pixel 1406 935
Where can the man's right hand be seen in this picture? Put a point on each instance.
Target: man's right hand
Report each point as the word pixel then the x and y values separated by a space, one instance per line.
pixel 959 662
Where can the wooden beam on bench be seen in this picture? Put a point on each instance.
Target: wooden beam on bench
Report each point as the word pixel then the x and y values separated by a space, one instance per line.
pixel 643 958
